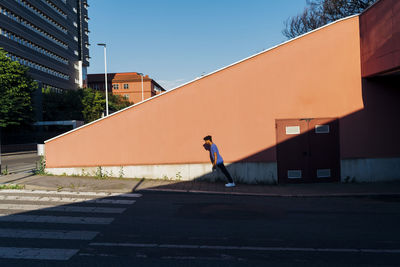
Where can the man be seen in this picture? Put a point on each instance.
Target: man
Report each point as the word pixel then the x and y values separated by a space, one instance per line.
pixel 217 160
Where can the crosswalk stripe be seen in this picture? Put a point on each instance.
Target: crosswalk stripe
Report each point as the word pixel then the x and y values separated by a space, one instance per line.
pixel 28 207
pixel 55 200
pixel 48 234
pixel 69 199
pixel 37 253
pixel 54 219
pixel 46 192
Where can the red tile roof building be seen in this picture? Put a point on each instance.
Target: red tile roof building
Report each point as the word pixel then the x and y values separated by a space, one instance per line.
pixel 126 84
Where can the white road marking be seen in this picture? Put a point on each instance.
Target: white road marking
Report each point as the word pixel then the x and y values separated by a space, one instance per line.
pixel 46 192
pixel 28 207
pixel 96 255
pixel 68 199
pixel 129 195
pixel 54 219
pixel 37 253
pixel 48 234
pixel 346 250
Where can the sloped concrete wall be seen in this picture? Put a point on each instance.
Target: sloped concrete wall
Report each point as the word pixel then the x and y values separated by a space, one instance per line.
pixel 317 75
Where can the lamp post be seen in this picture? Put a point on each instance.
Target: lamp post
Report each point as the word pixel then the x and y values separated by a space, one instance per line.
pixel 141 75
pixel 105 74
pixel 0 151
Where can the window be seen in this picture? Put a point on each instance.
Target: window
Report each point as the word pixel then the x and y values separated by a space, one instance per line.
pixel 43 15
pixel 116 86
pixel 126 96
pixel 32 27
pixel 38 67
pixel 126 86
pixel 35 47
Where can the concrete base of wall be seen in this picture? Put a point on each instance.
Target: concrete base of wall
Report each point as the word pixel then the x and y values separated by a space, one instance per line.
pixel 352 170
pixel 370 170
pixel 250 173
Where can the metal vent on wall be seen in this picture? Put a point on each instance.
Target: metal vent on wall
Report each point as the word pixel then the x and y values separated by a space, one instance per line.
pixel 321 128
pixel 292 129
pixel 323 173
pixel 294 174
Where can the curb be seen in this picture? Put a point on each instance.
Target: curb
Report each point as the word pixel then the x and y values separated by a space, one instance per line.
pixel 20 179
pixel 275 195
pixel 34 187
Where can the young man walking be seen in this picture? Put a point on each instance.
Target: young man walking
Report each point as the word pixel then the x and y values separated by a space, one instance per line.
pixel 217 160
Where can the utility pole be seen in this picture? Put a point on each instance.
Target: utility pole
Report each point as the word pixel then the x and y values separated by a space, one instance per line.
pixel 105 74
pixel 0 151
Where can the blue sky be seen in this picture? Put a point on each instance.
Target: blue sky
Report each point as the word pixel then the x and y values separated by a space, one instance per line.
pixel 175 41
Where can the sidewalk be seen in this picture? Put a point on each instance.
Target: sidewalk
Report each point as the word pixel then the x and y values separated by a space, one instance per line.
pixel 114 185
pixel 18 153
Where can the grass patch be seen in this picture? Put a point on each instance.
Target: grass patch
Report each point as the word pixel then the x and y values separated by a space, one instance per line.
pixel 5 171
pixel 41 167
pixel 11 186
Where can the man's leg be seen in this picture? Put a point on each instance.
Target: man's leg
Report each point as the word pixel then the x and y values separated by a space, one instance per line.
pixel 225 171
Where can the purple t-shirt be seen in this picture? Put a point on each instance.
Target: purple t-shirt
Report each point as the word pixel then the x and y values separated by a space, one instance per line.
pixel 214 149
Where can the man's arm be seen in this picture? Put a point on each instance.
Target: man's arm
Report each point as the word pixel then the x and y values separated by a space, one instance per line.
pixel 215 159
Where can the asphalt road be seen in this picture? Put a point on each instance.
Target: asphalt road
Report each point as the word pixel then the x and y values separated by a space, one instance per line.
pixel 19 162
pixel 179 229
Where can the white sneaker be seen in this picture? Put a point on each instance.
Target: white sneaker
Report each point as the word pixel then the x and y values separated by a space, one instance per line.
pixel 230 185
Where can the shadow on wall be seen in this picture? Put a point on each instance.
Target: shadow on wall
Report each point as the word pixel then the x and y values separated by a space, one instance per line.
pixel 368 148
pixel 365 148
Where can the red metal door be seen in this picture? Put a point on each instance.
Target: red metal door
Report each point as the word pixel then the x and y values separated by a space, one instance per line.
pixel 308 150
pixel 292 151
pixel 324 163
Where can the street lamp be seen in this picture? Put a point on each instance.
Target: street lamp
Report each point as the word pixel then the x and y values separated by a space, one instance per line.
pixel 105 74
pixel 141 75
pixel 0 151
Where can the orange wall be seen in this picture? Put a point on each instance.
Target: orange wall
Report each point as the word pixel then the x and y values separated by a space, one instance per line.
pixel 317 75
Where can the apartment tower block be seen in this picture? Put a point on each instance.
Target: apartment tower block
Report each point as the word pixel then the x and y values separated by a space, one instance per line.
pixel 50 37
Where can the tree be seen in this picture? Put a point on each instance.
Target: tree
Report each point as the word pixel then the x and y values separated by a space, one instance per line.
pixel 82 104
pixel 65 105
pixel 320 12
pixel 117 102
pixel 94 103
pixel 16 90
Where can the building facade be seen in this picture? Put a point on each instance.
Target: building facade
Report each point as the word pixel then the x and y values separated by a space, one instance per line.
pixel 322 107
pixel 50 37
pixel 127 85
